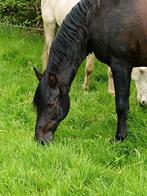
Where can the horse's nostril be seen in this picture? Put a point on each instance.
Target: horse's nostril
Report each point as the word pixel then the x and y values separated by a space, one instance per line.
pixel 143 102
pixel 43 142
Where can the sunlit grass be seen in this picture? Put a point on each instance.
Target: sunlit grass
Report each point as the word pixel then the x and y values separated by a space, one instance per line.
pixel 81 160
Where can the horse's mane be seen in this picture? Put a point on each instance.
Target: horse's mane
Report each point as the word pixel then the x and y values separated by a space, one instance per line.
pixel 72 33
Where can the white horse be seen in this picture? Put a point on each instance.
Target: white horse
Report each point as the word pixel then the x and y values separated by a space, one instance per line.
pixel 53 13
pixel 139 75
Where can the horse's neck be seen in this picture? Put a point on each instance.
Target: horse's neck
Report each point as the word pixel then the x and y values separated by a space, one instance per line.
pixel 67 69
pixel 71 66
pixel 70 45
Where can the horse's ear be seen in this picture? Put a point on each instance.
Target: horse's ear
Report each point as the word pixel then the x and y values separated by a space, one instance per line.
pixel 52 79
pixel 38 74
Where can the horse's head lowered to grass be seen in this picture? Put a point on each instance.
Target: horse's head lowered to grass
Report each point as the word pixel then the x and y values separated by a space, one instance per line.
pixel 52 106
pixel 116 32
pixel 51 98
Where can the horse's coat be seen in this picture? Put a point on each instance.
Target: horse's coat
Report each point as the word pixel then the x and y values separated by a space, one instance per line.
pixel 118 28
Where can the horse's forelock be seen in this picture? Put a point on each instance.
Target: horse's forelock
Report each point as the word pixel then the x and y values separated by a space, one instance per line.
pixel 38 100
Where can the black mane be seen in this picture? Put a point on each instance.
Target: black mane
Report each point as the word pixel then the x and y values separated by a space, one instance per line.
pixel 72 33
pixel 70 38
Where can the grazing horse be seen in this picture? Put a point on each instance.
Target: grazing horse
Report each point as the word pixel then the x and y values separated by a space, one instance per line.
pixel 53 14
pixel 119 29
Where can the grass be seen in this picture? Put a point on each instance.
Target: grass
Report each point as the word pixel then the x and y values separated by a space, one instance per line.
pixel 81 160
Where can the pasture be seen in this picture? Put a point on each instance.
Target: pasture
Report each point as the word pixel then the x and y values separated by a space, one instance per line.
pixel 81 160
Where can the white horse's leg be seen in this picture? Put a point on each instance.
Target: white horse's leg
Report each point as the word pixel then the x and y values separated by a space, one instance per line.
pixel 88 71
pixel 111 89
pixel 49 33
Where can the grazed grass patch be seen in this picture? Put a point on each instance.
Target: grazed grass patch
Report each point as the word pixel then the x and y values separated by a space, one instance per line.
pixel 81 160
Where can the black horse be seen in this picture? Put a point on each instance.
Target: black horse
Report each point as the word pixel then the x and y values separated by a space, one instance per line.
pixel 116 31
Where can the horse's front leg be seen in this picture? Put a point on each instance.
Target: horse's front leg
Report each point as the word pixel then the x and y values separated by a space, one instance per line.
pixel 122 76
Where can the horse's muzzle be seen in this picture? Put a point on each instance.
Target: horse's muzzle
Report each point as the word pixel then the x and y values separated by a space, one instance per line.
pixel 45 134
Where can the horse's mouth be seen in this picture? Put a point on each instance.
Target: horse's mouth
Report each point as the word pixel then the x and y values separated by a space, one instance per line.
pixel 46 134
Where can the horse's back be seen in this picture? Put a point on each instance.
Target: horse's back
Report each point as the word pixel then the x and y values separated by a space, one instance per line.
pixel 121 31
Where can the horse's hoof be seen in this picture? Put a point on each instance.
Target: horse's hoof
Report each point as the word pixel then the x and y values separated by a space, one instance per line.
pixel 120 137
pixel 42 142
pixel 114 141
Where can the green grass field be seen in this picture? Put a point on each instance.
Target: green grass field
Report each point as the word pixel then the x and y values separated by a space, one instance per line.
pixel 81 160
